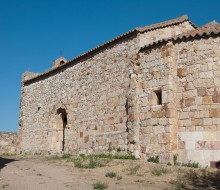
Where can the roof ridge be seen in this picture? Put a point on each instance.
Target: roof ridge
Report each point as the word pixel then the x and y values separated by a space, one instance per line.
pixel 164 24
pixel 212 27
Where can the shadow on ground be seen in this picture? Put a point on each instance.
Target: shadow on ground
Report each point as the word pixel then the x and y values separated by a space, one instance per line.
pixel 5 161
pixel 205 180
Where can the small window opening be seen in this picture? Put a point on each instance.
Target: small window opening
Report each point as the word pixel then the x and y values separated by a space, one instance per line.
pixel 62 62
pixel 159 97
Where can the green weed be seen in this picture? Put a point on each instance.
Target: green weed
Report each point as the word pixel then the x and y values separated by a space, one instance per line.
pixel 153 159
pixel 100 186
pixel 159 171
pixel 110 174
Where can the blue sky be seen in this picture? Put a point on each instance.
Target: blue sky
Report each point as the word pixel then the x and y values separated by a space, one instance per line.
pixel 33 33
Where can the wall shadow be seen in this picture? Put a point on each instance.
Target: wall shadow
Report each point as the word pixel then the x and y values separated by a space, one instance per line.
pixel 5 161
pixel 206 180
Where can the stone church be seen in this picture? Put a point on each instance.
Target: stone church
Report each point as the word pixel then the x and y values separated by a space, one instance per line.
pixel 154 90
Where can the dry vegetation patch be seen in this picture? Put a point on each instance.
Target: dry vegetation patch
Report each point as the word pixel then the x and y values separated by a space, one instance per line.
pixel 97 172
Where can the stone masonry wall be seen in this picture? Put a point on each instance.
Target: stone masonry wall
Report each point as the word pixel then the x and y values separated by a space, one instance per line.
pixel 93 93
pixel 8 143
pixel 186 121
pixel 199 103
pixel 156 75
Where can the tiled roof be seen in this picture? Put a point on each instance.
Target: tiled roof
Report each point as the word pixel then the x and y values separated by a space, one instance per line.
pixel 206 30
pixel 125 35
pixel 165 24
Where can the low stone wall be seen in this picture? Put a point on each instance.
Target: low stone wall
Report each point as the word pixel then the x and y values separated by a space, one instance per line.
pixel 8 143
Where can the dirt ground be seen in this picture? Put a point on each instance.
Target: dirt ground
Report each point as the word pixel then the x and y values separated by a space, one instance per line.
pixel 40 173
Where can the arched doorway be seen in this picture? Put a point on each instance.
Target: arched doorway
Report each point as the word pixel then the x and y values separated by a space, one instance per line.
pixel 57 132
pixel 63 116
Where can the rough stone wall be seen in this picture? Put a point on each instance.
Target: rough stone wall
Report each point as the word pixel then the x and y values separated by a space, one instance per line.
pixel 8 143
pixel 199 103
pixel 186 121
pixel 94 94
pixel 163 33
pixel 156 74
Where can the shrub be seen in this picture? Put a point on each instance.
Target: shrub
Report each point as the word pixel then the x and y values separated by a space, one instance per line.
pixel 66 156
pixel 133 169
pixel 159 171
pixel 90 162
pixel 124 156
pixel 191 164
pixel 175 158
pixel 100 186
pixel 119 177
pixel 153 159
pixel 169 164
pixel 178 184
pixel 110 174
pixel 110 156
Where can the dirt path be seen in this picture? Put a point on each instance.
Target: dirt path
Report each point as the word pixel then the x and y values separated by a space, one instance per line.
pixel 38 174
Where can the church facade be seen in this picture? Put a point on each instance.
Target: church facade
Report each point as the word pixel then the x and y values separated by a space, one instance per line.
pixel 154 90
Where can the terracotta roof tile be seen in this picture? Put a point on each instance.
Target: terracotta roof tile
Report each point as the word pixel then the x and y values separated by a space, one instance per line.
pixel 165 24
pixel 206 30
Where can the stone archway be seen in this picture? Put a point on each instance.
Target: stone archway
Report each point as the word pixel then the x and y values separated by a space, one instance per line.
pixel 57 129
pixel 63 116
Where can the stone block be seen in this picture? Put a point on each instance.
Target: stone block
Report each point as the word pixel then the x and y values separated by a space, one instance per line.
pixel 185 136
pixel 190 145
pixel 212 145
pixel 218 136
pixel 163 121
pixel 210 155
pixel 191 128
pixel 195 155
pixel 181 129
pixel 133 117
pixel 156 74
pixel 153 140
pixel 214 113
pixel 197 121
pixel 102 142
pixel 158 129
pixel 206 100
pixel 200 145
pixel 182 155
pixel 216 98
pixel 207 121
pixel 186 122
pixel 146 130
pixel 210 128
pixel 206 74
pixel 86 139
pixel 189 102
pixel 143 149
pixel 159 114
pixel 171 129
pixel 183 115
pixel 201 92
pixel 197 135
pixel 181 144
pixel 199 128
pixel 181 72
pixel 216 121
pixel 164 138
pixel 209 136
pixel 171 113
